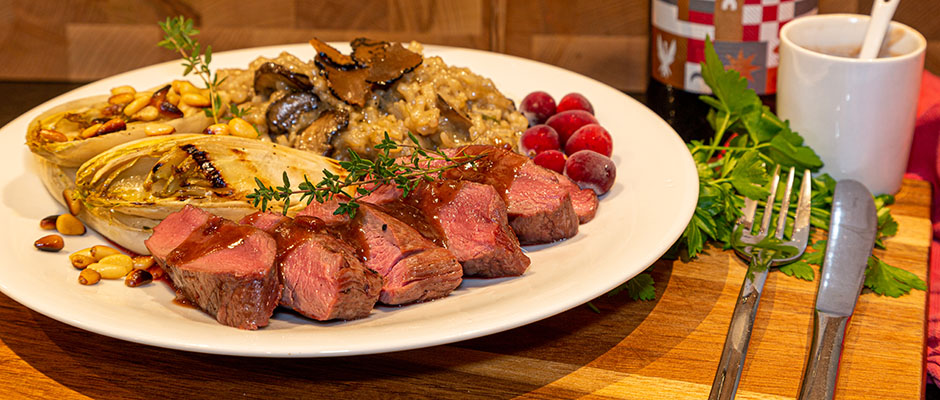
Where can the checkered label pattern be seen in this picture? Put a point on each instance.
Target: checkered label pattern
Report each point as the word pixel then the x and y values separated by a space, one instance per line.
pixel 746 35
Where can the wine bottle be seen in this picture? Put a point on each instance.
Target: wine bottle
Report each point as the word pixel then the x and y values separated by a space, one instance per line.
pixel 746 35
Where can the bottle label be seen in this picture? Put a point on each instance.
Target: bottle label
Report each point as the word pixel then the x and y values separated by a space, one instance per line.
pixel 746 34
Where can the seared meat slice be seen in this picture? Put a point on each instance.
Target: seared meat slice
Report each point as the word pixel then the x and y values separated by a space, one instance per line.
pixel 583 200
pixel 174 229
pixel 539 206
pixel 414 268
pixel 225 268
pixel 322 277
pixel 467 218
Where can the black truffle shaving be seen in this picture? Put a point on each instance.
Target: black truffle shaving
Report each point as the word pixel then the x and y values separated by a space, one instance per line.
pixel 331 55
pixel 350 86
pixel 392 63
pixel 365 50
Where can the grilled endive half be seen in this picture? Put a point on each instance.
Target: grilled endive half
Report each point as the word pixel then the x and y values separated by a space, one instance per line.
pixel 69 120
pixel 129 189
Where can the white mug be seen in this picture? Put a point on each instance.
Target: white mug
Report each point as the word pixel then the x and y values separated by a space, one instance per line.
pixel 857 114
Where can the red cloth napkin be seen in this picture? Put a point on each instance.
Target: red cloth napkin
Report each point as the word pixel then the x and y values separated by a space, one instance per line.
pixel 923 164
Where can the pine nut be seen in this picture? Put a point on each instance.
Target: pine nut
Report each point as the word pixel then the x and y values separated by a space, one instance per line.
pixel 143 262
pixel 186 109
pixel 194 100
pixel 242 128
pixel 82 259
pixel 88 277
pixel 148 113
pixel 122 98
pixel 49 243
pixel 120 259
pixel 67 224
pixel 173 97
pixel 123 89
pixel 113 125
pixel 157 272
pixel 50 135
pixel 136 106
pixel 183 87
pixel 72 201
pixel 99 252
pixel 169 110
pixel 143 94
pixel 113 267
pixel 138 277
pixel 217 129
pixel 48 223
pixel 158 129
pixel 90 131
pixel 159 96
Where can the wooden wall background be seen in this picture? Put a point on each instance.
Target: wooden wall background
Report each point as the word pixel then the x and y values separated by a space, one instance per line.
pixel 83 40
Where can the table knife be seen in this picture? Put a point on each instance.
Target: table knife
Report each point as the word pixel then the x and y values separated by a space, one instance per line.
pixel 852 232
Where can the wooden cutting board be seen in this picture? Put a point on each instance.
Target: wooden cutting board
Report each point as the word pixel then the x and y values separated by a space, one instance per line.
pixel 663 349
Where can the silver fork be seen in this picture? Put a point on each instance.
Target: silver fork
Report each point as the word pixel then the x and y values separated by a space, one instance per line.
pixel 742 320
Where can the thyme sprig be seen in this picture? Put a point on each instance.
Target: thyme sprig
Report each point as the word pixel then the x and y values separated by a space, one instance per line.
pixel 364 176
pixel 178 36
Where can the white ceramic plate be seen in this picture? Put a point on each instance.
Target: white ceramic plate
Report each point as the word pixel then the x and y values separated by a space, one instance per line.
pixel 645 212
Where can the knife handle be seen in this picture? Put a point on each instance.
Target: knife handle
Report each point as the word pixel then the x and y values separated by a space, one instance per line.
pixel 728 375
pixel 822 368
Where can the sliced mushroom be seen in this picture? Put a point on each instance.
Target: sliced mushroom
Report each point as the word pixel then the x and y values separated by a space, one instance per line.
pixel 270 77
pixel 350 86
pixel 318 136
pixel 392 63
pixel 284 114
pixel 331 55
pixel 459 120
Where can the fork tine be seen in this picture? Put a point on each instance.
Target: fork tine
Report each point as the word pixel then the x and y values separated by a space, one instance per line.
pixel 785 205
pixel 801 224
pixel 747 214
pixel 769 205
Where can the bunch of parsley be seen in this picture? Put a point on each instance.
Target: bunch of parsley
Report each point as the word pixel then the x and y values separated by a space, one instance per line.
pixel 749 141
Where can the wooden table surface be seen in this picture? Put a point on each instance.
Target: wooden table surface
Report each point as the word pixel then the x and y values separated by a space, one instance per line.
pixel 663 349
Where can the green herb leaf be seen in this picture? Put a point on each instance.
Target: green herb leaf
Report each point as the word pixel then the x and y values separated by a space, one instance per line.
pixel 799 269
pixel 639 287
pixel 886 280
pixel 749 176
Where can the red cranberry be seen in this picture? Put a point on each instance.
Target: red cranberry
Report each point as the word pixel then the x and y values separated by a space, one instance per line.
pixel 551 159
pixel 591 170
pixel 565 123
pixel 590 137
pixel 574 101
pixel 537 107
pixel 538 139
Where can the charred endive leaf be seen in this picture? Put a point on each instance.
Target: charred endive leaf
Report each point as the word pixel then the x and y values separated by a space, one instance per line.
pixel 129 189
pixel 67 148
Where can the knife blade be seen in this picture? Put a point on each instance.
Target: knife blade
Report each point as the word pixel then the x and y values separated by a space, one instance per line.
pixel 852 231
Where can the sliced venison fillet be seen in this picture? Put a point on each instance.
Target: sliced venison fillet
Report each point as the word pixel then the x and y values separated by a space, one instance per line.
pixel 467 218
pixel 584 200
pixel 174 229
pixel 322 277
pixel 414 269
pixel 539 207
pixel 225 268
